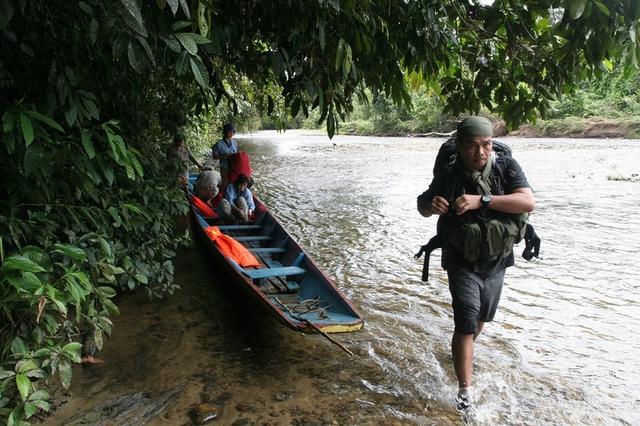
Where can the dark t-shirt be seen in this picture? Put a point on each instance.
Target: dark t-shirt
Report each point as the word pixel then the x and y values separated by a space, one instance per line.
pixel 507 177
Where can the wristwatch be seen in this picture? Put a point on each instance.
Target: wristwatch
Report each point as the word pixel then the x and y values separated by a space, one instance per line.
pixel 485 200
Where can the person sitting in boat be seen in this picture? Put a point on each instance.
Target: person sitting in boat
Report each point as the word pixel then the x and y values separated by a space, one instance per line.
pixel 207 186
pixel 180 154
pixel 238 201
pixel 223 149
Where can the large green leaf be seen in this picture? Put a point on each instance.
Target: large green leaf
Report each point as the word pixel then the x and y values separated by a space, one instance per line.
pixel 188 42
pixel 27 129
pixel 74 252
pixel 26 365
pixel 173 5
pixel 91 108
pixel 39 394
pixel 18 347
pixel 136 56
pixel 147 49
pixel 576 8
pixel 71 114
pixel 72 347
pixel 180 25
pixel 20 263
pixel 105 291
pixel 136 164
pixel 199 72
pixel 172 43
pixel 42 404
pixel 46 120
pixel 182 64
pixel 83 279
pixel 603 8
pixel 5 374
pixel 24 385
pixel 87 143
pixel 65 373
pixel 133 10
pixel 28 282
pixel 29 409
pixel 110 306
pixel 74 291
pixel 185 8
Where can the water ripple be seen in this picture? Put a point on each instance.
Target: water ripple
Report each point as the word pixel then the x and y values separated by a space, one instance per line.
pixel 560 351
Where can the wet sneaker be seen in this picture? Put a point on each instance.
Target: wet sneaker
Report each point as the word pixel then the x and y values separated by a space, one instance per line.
pixel 463 400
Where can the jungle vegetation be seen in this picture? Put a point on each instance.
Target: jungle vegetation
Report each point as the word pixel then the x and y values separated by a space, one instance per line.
pixel 92 91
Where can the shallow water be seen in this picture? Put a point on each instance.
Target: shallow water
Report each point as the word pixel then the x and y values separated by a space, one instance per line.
pixel 562 349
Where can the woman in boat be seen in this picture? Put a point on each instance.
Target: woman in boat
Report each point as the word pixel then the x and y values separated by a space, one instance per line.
pixel 180 154
pixel 238 201
pixel 223 149
pixel 207 186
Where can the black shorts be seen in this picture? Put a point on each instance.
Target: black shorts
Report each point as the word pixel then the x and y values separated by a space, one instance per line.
pixel 474 297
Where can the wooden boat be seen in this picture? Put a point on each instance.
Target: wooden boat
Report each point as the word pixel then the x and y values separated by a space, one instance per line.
pixel 288 284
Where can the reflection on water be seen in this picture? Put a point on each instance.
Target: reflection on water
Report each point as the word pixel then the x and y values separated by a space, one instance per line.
pixel 561 351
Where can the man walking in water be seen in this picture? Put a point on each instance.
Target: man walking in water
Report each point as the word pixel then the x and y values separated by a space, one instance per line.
pixel 482 200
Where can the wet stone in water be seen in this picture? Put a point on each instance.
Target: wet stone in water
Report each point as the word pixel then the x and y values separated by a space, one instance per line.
pixel 283 396
pixel 204 413
pixel 245 408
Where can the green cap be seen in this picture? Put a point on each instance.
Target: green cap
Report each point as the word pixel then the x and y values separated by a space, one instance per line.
pixel 474 126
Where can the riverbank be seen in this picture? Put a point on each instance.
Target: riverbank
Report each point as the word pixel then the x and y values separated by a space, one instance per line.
pixel 569 127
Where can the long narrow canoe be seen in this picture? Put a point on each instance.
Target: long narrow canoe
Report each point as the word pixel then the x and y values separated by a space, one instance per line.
pixel 288 284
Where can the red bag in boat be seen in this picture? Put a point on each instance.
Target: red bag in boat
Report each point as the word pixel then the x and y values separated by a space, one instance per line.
pixel 239 165
pixel 231 248
pixel 203 207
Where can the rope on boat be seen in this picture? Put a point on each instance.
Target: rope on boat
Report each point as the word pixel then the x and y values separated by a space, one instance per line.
pixel 311 305
pixel 312 325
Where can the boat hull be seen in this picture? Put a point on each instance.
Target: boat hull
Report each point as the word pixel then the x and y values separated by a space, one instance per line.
pixel 336 314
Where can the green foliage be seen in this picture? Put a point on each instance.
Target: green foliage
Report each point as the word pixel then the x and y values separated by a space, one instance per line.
pixel 614 95
pixel 86 207
pixel 378 115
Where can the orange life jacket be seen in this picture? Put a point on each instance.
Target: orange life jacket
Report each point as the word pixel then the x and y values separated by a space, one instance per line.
pixel 231 248
pixel 203 207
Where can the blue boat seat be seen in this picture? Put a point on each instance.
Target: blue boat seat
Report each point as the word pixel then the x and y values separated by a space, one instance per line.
pixel 254 238
pixel 256 274
pixel 298 260
pixel 240 227
pixel 260 250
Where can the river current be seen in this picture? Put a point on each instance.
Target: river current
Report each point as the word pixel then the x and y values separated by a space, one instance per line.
pixel 563 348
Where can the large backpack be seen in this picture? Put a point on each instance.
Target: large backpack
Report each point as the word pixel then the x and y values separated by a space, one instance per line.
pixel 447 155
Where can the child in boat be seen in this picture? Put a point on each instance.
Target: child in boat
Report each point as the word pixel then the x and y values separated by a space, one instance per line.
pixel 207 186
pixel 238 201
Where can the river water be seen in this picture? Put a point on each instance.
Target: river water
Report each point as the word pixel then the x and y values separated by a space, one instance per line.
pixel 562 350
